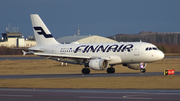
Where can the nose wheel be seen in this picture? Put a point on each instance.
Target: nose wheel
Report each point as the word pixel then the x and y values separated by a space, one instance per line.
pixel 142 70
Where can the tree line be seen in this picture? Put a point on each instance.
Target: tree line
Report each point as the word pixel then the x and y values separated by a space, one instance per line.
pixel 167 42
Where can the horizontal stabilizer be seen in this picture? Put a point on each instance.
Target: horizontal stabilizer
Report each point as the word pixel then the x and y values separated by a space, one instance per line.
pixel 34 50
pixel 27 53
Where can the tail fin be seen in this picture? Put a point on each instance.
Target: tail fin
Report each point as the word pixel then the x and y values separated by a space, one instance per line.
pixel 42 34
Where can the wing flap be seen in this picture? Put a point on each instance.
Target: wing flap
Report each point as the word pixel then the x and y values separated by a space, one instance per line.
pixel 61 56
pixel 56 56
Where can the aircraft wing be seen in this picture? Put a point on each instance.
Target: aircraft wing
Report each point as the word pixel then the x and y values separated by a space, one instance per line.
pixel 39 52
pixel 61 56
pixel 69 56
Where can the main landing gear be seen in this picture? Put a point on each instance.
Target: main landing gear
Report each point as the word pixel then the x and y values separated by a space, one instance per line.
pixel 111 69
pixel 142 70
pixel 85 71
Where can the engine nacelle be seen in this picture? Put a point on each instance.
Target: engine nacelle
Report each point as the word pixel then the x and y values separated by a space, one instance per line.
pixel 98 64
pixel 136 66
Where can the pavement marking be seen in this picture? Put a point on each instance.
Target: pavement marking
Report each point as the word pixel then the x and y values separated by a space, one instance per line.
pixel 95 97
pixel 136 97
pixel 124 97
pixel 16 95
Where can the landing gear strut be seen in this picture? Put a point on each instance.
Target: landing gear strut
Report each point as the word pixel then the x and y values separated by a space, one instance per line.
pixel 111 69
pixel 142 70
pixel 85 71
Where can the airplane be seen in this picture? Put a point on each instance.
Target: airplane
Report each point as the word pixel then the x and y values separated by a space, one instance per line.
pixel 96 56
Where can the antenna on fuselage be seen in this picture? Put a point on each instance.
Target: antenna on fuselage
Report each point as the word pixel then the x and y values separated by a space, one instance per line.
pixel 78 30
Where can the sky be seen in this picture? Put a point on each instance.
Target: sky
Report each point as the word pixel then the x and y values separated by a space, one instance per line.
pixel 96 17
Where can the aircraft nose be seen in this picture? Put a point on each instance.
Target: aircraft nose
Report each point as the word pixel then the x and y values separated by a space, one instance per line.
pixel 160 55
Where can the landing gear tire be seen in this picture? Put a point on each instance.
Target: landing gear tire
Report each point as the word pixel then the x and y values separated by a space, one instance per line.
pixel 143 70
pixel 110 70
pixel 85 71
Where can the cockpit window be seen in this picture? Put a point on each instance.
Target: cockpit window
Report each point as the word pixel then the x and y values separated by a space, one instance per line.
pixel 154 48
pixel 151 48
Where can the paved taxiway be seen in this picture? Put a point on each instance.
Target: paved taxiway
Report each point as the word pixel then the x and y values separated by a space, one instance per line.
pixel 82 76
pixel 87 95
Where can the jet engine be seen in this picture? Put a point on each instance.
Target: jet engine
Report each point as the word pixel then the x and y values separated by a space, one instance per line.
pixel 98 64
pixel 136 66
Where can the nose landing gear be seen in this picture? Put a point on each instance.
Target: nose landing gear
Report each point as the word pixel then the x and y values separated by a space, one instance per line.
pixel 142 70
pixel 142 67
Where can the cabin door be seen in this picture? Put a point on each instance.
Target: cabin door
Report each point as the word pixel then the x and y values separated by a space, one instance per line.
pixel 136 50
pixel 54 50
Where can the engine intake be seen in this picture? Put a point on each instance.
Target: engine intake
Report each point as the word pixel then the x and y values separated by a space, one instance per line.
pixel 98 64
pixel 136 66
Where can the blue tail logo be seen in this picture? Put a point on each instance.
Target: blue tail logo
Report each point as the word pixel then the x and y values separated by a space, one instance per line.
pixel 42 32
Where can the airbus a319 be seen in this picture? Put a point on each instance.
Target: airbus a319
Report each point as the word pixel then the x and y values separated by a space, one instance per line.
pixel 96 56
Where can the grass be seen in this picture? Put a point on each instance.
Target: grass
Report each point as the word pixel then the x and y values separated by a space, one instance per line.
pixel 18 56
pixel 149 82
pixel 25 67
pixel 172 54
pixel 22 67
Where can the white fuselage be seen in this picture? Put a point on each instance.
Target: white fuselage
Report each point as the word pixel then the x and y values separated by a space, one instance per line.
pixel 116 53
